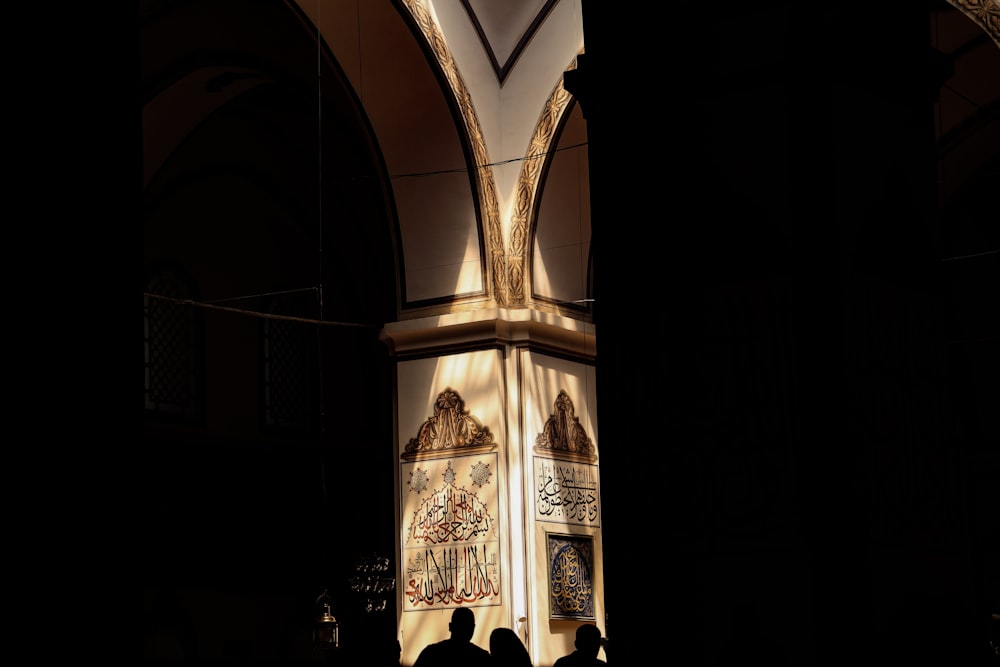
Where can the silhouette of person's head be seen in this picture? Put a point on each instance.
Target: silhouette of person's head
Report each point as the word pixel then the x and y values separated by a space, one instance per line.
pixel 507 649
pixel 588 640
pixel 463 624
pixel 457 649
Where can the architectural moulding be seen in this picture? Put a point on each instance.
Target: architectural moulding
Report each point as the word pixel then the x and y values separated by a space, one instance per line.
pixel 491 326
pixel 502 70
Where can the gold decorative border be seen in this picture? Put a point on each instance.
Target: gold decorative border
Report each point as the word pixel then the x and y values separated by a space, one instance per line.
pixel 527 186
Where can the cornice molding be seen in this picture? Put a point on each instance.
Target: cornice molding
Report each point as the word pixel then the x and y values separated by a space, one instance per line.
pixel 490 327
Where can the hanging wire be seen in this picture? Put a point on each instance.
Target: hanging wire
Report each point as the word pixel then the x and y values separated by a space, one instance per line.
pixel 262 294
pixel 464 170
pixel 319 291
pixel 975 254
pixel 260 314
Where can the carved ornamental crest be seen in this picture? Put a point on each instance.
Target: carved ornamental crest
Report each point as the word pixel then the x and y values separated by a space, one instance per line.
pixel 563 436
pixel 452 430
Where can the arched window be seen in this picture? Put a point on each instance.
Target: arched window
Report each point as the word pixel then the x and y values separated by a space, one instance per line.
pixel 173 347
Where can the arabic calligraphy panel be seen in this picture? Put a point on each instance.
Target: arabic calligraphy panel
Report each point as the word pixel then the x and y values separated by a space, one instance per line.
pixel 566 492
pixel 571 576
pixel 451 547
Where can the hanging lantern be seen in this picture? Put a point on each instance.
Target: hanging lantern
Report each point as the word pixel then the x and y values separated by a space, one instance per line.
pixel 326 629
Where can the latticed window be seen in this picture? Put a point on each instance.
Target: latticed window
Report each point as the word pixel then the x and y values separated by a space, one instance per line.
pixel 171 347
pixel 289 348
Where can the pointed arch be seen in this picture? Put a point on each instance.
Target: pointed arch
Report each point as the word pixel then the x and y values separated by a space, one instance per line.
pixel 489 204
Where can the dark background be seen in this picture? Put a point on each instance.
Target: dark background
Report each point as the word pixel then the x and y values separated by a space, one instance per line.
pixel 823 379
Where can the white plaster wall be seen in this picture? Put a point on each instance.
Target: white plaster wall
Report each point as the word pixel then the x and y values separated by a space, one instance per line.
pixel 530 84
pixel 543 376
pixel 508 114
pixel 419 140
pixel 561 241
pixel 479 379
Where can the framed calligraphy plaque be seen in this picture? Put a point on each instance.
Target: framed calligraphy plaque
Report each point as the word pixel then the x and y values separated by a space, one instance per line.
pixel 451 544
pixel 571 576
pixel 566 492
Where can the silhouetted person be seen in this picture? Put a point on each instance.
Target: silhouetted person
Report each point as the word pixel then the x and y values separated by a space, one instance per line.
pixel 588 644
pixel 507 650
pixel 458 650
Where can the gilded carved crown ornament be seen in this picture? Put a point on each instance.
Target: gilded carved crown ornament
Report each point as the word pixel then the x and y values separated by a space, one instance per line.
pixel 452 430
pixel 563 437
